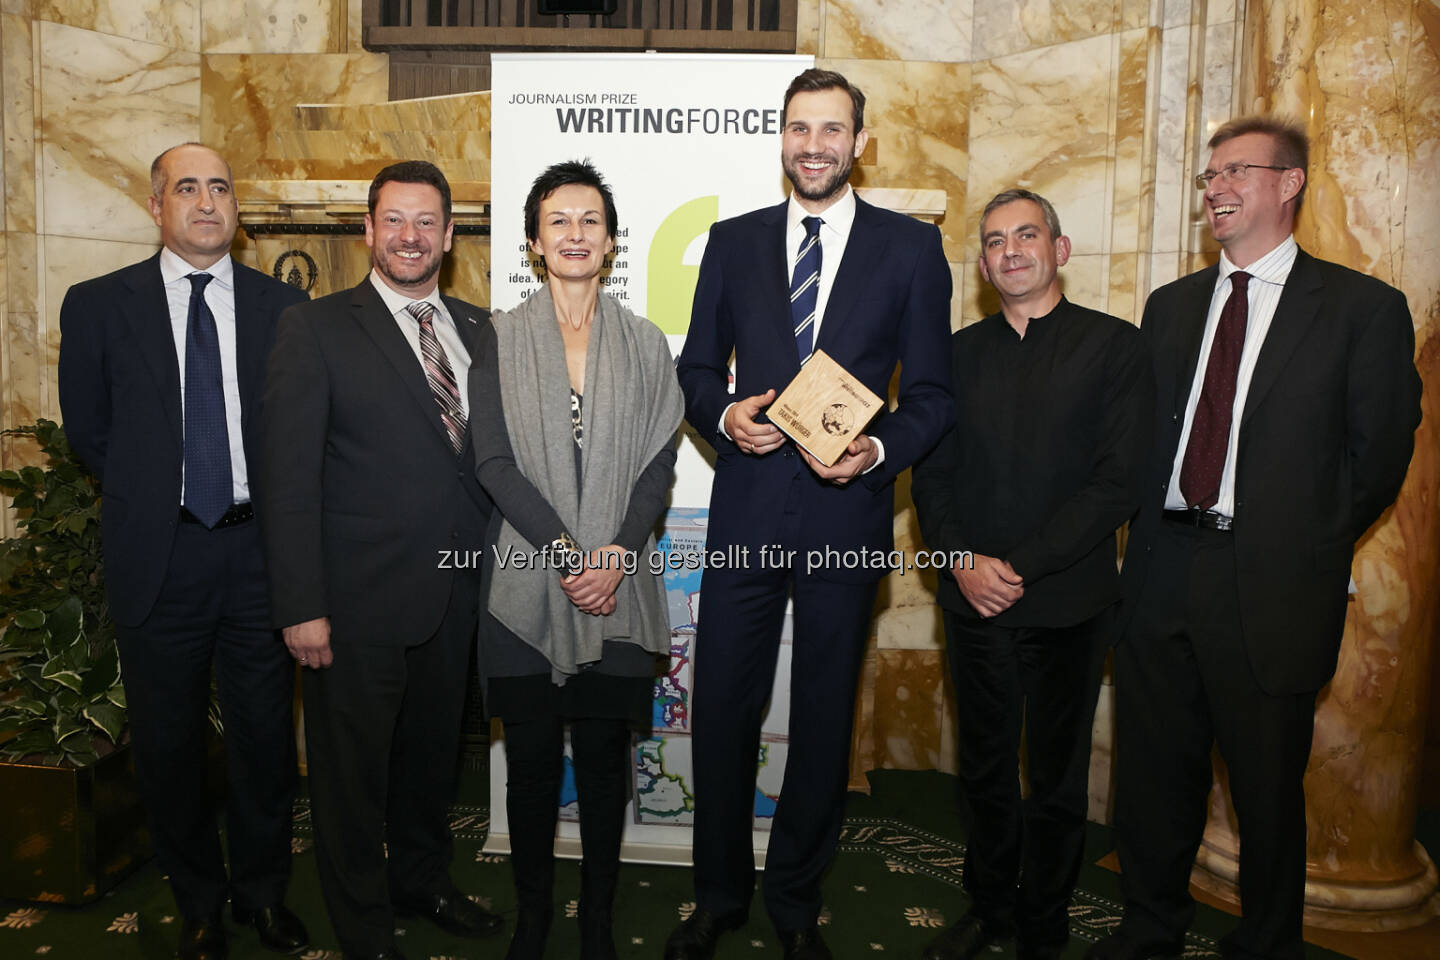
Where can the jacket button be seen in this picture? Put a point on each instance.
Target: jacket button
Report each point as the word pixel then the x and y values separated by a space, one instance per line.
pixel 1174 417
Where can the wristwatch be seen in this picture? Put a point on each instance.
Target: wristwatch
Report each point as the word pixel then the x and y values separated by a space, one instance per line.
pixel 566 555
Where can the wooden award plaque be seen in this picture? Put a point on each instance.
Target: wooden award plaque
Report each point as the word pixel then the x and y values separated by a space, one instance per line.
pixel 824 408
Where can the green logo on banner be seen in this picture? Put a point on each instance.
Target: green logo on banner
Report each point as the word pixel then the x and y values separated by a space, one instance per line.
pixel 670 284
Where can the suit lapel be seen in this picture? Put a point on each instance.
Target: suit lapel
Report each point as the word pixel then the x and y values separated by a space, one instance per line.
pixel 772 282
pixel 862 251
pixel 1298 304
pixel 369 311
pixel 1193 309
pixel 148 314
pixel 250 304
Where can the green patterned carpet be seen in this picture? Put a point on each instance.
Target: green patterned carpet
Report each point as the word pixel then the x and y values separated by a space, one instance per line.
pixel 895 883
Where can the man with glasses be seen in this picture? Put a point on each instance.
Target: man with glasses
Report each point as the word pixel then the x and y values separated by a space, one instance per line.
pixel 1287 405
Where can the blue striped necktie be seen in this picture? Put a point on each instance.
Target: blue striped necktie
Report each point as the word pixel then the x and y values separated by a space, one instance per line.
pixel 805 289
pixel 209 487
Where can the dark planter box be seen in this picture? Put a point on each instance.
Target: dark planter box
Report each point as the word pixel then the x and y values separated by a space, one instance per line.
pixel 67 835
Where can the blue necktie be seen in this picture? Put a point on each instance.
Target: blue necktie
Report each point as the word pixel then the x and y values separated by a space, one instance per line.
pixel 805 288
pixel 209 488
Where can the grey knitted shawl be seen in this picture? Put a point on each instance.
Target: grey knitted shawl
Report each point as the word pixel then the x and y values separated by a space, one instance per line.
pixel 631 410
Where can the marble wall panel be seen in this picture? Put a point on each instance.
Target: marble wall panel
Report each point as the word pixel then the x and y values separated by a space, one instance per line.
pixel 246 99
pixel 354 25
pixel 276 26
pixel 174 23
pixel 107 106
pixel 1417 275
pixel 1140 13
pixel 909 708
pixel 1011 26
pixel 1173 201
pixel 22 291
pixel 460 111
pixel 1179 12
pixel 1041 120
pixel 1133 167
pixel 918 119
pixel 17 116
pixel 809 18
pixel 1124 296
pixel 898 29
pixel 358 155
pixel 24 398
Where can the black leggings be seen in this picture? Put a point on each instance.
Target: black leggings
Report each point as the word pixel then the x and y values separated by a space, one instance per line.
pixel 602 762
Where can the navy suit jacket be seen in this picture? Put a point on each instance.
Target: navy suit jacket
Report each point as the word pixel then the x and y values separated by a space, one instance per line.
pixel 366 492
pixel 120 398
pixel 890 303
pixel 1325 440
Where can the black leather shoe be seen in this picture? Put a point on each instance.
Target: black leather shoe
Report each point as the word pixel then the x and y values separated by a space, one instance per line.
pixel 389 953
pixel 454 913
pixel 1121 946
pixel 804 945
pixel 280 930
pixel 202 939
pixel 695 939
pixel 964 939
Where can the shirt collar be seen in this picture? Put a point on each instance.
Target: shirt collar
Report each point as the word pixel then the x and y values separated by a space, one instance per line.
pixel 838 216
pixel 1274 267
pixel 396 302
pixel 174 267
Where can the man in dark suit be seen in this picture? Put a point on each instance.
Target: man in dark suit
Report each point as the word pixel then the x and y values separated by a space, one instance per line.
pixel 1046 460
pixel 369 457
pixel 161 365
pixel 871 288
pixel 1287 405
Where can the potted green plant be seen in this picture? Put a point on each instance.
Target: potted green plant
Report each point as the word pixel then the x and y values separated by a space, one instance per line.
pixel 73 826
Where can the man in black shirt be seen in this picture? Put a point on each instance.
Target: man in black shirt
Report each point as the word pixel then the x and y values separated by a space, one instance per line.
pixel 1044 463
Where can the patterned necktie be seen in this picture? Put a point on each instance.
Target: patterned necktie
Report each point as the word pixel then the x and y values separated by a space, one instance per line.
pixel 805 289
pixel 438 372
pixel 1210 430
pixel 209 487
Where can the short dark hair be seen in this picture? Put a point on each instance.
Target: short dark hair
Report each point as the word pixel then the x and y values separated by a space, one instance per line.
pixel 564 174
pixel 1052 219
pixel 1292 146
pixel 158 176
pixel 816 79
pixel 411 171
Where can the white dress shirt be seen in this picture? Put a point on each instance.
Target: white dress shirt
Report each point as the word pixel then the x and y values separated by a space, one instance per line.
pixel 220 298
pixel 1268 276
pixel 445 331
pixel 836 221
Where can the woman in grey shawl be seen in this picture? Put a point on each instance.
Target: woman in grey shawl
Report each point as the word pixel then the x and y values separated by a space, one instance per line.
pixel 573 403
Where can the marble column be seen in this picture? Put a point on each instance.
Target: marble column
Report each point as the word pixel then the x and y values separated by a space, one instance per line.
pixel 1364 78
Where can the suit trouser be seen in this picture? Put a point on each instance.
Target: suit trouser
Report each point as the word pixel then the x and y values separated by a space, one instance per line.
pixel 382 735
pixel 1023 856
pixel 213 611
pixel 736 646
pixel 1182 683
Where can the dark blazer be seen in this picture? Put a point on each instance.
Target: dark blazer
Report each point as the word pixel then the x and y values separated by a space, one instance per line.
pixel 1325 440
pixel 120 397
pixel 365 491
pixel 890 302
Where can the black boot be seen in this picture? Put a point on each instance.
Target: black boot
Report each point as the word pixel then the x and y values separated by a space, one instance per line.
pixel 532 795
pixel 602 765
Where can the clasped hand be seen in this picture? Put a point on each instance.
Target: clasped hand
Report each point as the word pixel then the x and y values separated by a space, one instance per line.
pixel 592 590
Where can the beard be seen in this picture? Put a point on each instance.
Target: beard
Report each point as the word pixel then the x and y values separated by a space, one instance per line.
pixel 406 273
pixel 824 188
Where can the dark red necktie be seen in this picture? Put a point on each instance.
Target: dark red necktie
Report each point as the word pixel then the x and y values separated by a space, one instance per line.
pixel 1210 430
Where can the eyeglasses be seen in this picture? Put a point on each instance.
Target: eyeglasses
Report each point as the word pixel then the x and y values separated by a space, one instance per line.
pixel 1231 171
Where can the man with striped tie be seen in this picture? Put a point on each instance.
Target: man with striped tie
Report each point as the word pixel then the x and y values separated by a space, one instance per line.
pixel 368 458
pixel 824 269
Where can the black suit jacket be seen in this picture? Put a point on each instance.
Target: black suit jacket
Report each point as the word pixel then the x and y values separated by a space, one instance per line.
pixel 890 303
pixel 366 494
pixel 120 398
pixel 1325 440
